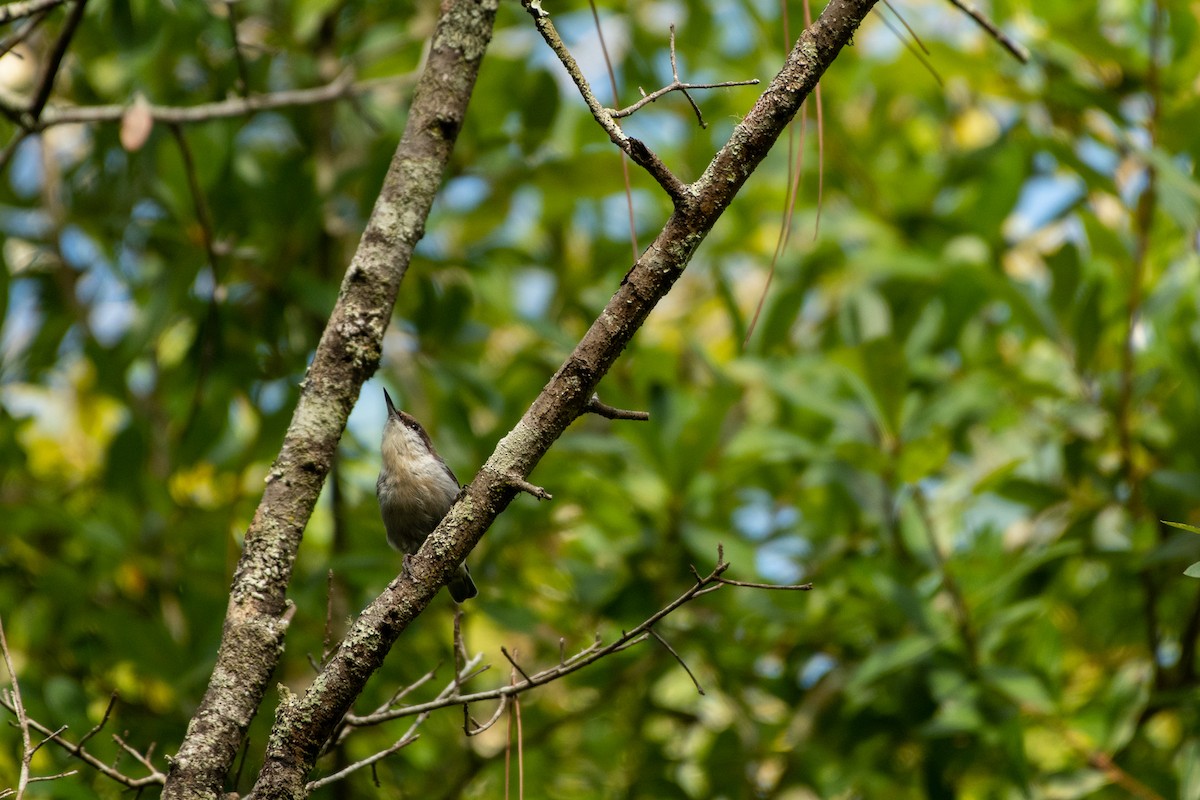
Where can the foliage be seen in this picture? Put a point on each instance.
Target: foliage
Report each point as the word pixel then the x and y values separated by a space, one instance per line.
pixel 965 409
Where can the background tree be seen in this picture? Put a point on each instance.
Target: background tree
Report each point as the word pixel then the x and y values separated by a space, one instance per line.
pixel 962 415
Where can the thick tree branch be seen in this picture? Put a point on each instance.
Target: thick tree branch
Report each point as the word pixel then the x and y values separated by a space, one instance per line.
pixel 304 723
pixel 348 353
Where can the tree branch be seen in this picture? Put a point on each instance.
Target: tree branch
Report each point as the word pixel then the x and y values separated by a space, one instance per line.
pixel 1018 51
pixel 77 751
pixel 348 354
pixel 54 61
pixel 566 666
pixel 634 148
pixel 677 85
pixel 26 8
pixel 340 88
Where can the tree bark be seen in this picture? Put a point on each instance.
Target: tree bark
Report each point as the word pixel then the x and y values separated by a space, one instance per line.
pixel 348 354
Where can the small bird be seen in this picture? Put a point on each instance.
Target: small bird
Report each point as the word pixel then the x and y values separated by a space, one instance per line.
pixel 415 490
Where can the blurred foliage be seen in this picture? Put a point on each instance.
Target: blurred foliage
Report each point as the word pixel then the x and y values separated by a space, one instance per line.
pixel 944 418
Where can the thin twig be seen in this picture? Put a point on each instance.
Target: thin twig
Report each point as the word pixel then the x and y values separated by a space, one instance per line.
pixel 480 727
pixel 520 749
pixel 341 87
pixel 612 80
pixel 678 658
pixel 1018 51
pixel 327 642
pixel 589 655
pixel 907 27
pixel 156 778
pixel 408 738
pixel 637 150
pixel 203 217
pixel 515 665
pixel 55 60
pixel 26 8
pixel 387 711
pixel 243 72
pixel 792 587
pixel 350 722
pixel 917 54
pixel 144 760
pixel 519 483
pixel 12 41
pixel 112 701
pixel 675 87
pixel 22 720
pixel 595 406
pixel 795 164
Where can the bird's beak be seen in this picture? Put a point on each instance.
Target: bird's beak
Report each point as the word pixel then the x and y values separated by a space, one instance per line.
pixel 391 406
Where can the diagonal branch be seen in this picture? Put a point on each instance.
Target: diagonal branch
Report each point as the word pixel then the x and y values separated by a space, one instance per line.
pixel 1018 51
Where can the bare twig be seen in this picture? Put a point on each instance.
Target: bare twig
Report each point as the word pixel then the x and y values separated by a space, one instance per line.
pixel 144 760
pixel 917 54
pixel 451 694
pixel 327 642
pixel 23 34
pixel 512 661
pixel 112 701
pixel 519 483
pixel 1018 51
pixel 589 655
pixel 595 406
pixel 341 87
pixel 516 712
pixel 26 8
pixel 243 72
pixel 634 148
pixel 351 722
pixel 472 728
pixel 409 737
pixel 155 778
pixel 677 85
pixel 678 658
pixel 791 587
pixel 203 217
pixel 612 80
pixel 55 60
pixel 18 708
pixel 907 27
pixel 388 711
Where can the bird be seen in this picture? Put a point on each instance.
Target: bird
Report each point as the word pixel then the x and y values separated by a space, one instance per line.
pixel 415 489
